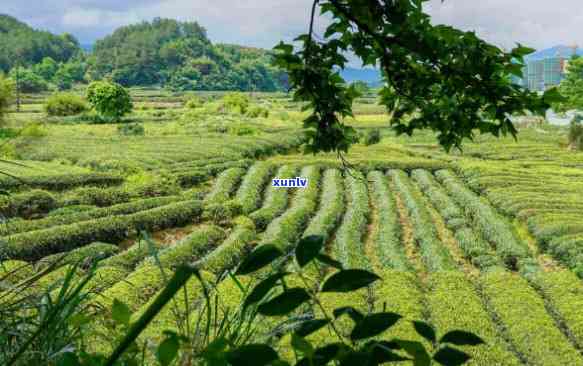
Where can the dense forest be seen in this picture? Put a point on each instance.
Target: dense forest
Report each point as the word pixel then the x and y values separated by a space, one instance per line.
pixel 21 43
pixel 172 54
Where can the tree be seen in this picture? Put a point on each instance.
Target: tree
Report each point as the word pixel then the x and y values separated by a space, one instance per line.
pixel 63 79
pixel 110 100
pixel 46 69
pixel 572 87
pixel 6 96
pixel 28 80
pixel 437 77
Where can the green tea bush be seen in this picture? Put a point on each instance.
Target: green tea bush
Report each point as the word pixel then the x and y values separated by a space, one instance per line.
pixel 451 290
pixel 275 200
pixel 350 233
pixel 60 182
pixel 371 137
pixel 27 204
pixel 96 196
pixel 236 102
pixel 522 312
pixel 84 254
pixel 193 102
pixel 576 134
pixel 435 255
pixel 33 131
pixel 34 245
pixel 257 111
pixel 115 166
pixel 225 185
pixel 131 129
pixel 73 216
pixel 249 193
pixel 146 184
pixel 387 237
pixel 65 104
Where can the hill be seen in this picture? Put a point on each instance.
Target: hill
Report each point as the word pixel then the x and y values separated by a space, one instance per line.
pixel 180 56
pixel 18 41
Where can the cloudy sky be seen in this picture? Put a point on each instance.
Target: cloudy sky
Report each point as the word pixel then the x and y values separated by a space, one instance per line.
pixel 262 23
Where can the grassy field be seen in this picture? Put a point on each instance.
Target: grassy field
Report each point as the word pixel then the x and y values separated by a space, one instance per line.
pixel 489 239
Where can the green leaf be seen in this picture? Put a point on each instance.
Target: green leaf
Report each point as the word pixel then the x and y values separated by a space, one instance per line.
pixel 301 345
pixel 259 258
pixel 349 280
pixel 451 357
pixel 308 248
pixel 354 314
pixel 120 312
pixel 262 289
pixel 425 330
pixel 415 350
pixel 285 303
pixel 373 325
pixel 323 355
pixel 323 258
pixel 461 338
pixel 252 354
pixel 310 326
pixel 68 359
pixel 168 349
pixel 552 96
pixel 382 352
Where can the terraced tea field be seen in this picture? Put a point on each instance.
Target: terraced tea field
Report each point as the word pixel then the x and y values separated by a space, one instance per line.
pixel 486 241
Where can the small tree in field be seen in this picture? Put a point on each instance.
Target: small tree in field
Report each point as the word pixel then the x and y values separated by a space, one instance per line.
pixel 110 100
pixel 6 96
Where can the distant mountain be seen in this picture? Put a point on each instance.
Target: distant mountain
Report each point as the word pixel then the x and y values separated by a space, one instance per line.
pixel 21 43
pixel 557 51
pixel 369 76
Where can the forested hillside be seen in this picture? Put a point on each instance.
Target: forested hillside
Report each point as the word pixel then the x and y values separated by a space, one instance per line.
pixel 19 42
pixel 180 56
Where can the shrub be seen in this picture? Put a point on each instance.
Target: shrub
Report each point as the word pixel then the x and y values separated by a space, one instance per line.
pixel 576 134
pixel 371 137
pixel 65 104
pixel 225 185
pixel 522 313
pixel 83 254
pixel 110 100
pixel 34 245
pixel 27 204
pixel 34 131
pixel 131 129
pixel 435 255
pixel 236 102
pixel 257 111
pixel 95 196
pixel 193 102
pixel 72 214
pixel 145 184
pixel 349 235
pixel 254 182
pixel 61 182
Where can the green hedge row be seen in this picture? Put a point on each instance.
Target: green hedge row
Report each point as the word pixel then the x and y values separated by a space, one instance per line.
pixel 387 236
pixel 494 228
pixel 522 313
pixel 83 254
pixel 400 292
pixel 474 247
pixel 563 291
pixel 34 245
pixel 249 193
pixel 60 182
pixel 454 304
pixel 230 252
pixel 27 204
pixel 276 200
pixel 348 247
pixel 332 206
pixel 147 279
pixel 224 186
pixel 286 229
pixel 20 226
pixel 435 254
pixel 14 271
